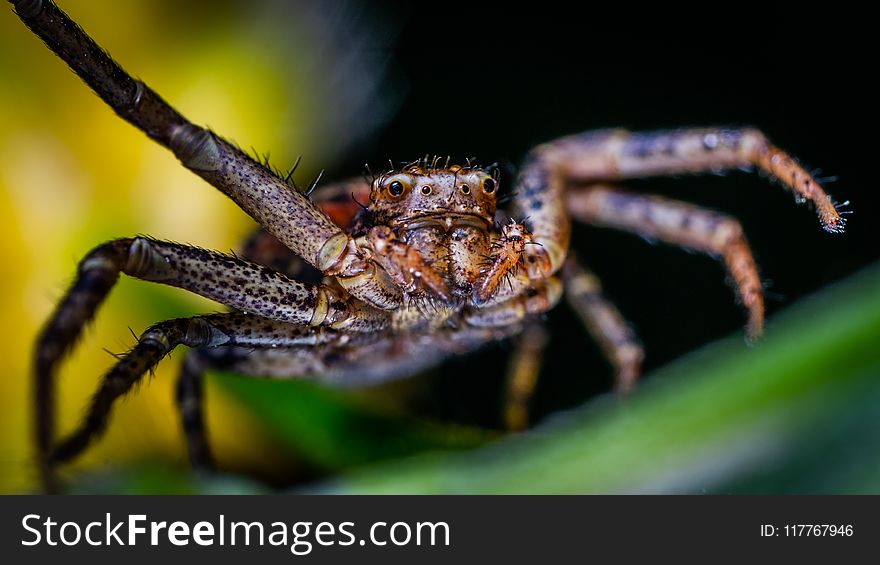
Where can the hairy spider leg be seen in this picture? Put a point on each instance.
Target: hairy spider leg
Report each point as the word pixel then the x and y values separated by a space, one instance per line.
pixel 235 329
pixel 604 322
pixel 341 201
pixel 228 280
pixel 285 212
pixel 681 224
pixel 359 360
pixel 612 155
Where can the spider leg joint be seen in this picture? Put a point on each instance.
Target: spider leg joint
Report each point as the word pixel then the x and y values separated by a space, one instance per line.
pixel 195 147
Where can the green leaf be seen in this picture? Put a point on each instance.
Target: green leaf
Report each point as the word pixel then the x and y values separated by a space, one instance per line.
pixel 798 413
pixel 336 431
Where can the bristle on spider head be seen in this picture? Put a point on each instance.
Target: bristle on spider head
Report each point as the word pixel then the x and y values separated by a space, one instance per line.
pixel 429 164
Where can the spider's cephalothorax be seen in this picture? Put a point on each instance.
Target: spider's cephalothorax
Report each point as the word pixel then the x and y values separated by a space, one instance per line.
pixel 420 273
pixel 445 218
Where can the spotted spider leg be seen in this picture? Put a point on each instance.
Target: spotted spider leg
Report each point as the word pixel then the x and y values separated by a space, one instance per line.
pixel 263 249
pixel 594 157
pixel 542 196
pixel 235 329
pixel 284 211
pixel 605 323
pixel 615 155
pixel 681 224
pixel 228 280
pixel 601 318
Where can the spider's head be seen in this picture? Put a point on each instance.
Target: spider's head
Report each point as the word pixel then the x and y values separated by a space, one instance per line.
pixel 432 192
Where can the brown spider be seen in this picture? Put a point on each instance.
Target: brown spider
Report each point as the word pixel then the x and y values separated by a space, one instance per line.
pixel 357 293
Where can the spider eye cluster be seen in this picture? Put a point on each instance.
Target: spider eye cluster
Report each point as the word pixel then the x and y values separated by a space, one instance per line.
pixel 488 185
pixel 472 186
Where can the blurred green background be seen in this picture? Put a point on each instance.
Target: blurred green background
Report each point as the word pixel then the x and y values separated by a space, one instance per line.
pixel 343 83
pixel 74 175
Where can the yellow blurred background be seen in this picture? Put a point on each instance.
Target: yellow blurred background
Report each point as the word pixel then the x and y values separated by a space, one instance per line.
pixel 73 175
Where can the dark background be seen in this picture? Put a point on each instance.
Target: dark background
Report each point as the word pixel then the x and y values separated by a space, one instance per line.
pixel 493 81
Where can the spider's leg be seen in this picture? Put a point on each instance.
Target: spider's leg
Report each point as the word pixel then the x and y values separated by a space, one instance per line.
pixel 341 201
pixel 522 375
pixel 190 396
pixel 515 302
pixel 539 202
pixel 604 322
pixel 613 155
pixel 97 275
pixel 682 224
pixel 285 212
pixel 235 329
pixel 263 248
pixel 354 360
pixel 398 260
pixel 228 280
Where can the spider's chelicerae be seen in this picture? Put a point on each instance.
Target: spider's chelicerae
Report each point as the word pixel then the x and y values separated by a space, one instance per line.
pixel 370 280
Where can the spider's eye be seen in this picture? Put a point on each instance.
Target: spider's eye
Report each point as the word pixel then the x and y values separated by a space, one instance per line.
pixel 395 188
pixel 465 189
pixel 489 186
pixel 426 190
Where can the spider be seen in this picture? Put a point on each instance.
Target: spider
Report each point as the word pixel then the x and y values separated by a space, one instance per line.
pixel 369 280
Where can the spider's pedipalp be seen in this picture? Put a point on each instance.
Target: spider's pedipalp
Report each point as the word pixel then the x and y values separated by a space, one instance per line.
pixel 506 257
pixel 525 298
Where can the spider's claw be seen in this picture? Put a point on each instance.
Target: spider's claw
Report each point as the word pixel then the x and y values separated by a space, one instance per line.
pixel 754 330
